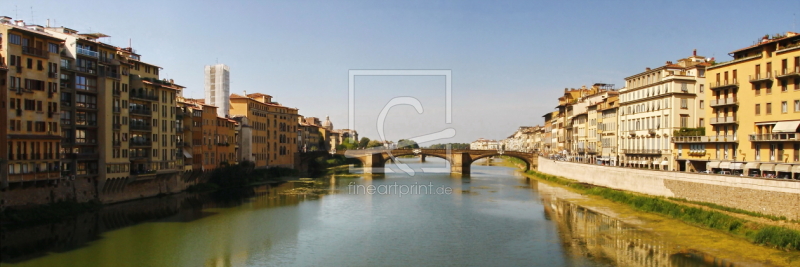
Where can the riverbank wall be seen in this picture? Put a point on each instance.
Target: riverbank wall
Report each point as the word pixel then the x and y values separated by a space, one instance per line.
pixel 767 196
pixel 81 190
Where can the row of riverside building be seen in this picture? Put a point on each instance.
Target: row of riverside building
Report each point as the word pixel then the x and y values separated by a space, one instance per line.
pixel 85 120
pixel 697 114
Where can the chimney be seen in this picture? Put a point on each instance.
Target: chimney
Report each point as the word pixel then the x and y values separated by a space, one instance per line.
pixel 647 69
pixel 20 23
pixel 669 62
pixel 694 53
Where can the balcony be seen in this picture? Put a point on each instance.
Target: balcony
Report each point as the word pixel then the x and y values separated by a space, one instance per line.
pixel 761 77
pixel 140 156
pixel 144 97
pixel 86 123
pixel 642 151
pixel 38 52
pixel 37 175
pixel 145 112
pixel 147 128
pixel 109 61
pixel 84 156
pixel 788 73
pixel 723 102
pixel 143 173
pixel 52 75
pixel 722 139
pixel 86 70
pixel 775 137
pixel 724 84
pixel 116 92
pixel 87 52
pixel 113 75
pixel 651 131
pixel 135 143
pixel 723 120
pixel 117 126
pixel 178 129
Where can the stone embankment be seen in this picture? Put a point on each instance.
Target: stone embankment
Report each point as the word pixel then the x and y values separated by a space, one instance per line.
pixel 767 196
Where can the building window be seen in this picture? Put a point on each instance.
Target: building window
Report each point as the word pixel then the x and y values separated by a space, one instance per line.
pixel 757 88
pixel 758 152
pixel 701 123
pixel 684 103
pixel 684 121
pixel 702 85
pixel 784 107
pixel 52 48
pixel 797 106
pixel 758 109
pixel 769 108
pixel 701 104
pixel 14 39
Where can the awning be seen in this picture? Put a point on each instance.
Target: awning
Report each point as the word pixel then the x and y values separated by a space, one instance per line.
pixel 796 168
pixel 783 168
pixel 664 163
pixel 767 167
pixel 752 165
pixel 187 154
pixel 644 162
pixel 725 165
pixel 712 165
pixel 737 166
pixel 786 127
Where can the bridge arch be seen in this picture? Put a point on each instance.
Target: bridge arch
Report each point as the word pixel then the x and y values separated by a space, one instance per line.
pixel 527 161
pixel 386 156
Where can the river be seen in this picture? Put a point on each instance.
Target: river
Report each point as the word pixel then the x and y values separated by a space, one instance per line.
pixel 494 218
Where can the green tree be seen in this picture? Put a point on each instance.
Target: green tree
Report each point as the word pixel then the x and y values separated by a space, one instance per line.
pixel 407 144
pixel 363 143
pixel 347 143
pixel 374 143
pixel 452 146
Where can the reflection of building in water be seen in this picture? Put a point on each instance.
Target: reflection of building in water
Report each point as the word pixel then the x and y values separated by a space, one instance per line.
pixel 17 245
pixel 589 234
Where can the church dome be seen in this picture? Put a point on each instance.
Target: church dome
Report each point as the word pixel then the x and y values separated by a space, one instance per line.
pixel 327 124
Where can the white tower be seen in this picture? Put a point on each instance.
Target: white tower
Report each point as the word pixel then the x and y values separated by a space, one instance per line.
pixel 218 89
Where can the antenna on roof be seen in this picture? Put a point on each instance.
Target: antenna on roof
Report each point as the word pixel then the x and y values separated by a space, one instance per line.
pixel 33 21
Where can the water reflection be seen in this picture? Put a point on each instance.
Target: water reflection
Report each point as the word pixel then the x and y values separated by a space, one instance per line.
pixel 605 239
pixel 494 217
pixel 18 245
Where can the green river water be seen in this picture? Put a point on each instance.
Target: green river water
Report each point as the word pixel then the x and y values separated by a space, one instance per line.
pixel 494 218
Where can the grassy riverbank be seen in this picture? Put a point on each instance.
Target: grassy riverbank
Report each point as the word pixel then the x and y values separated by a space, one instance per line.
pixel 757 233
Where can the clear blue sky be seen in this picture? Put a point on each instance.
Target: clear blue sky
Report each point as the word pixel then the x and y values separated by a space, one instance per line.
pixel 510 60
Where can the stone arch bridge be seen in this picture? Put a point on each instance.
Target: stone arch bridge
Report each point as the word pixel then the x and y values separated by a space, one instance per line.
pixel 374 160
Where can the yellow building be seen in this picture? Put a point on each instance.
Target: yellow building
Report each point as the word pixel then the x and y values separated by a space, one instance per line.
pixel 30 91
pixel 753 114
pixel 274 128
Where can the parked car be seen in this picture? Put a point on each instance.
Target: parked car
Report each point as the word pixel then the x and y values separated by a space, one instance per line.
pixel 706 171
pixel 725 172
